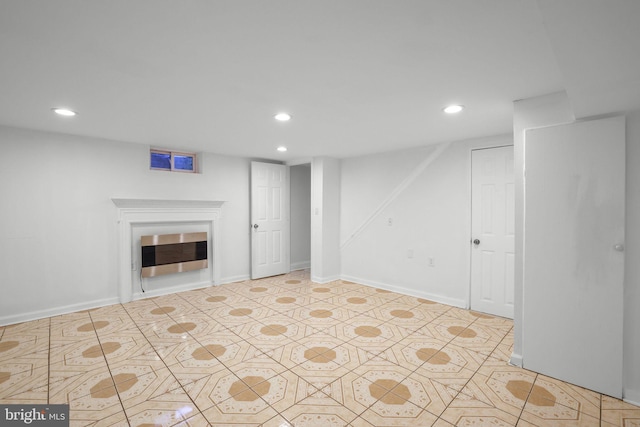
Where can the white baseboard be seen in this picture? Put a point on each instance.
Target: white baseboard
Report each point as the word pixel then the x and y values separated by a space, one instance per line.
pixel 233 279
pixel 300 265
pixel 631 396
pixel 323 280
pixel 407 291
pixel 516 360
pixel 56 311
pixel 171 290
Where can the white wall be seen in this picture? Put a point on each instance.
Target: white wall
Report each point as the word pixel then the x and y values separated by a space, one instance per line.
pixel 425 193
pixel 631 356
pixel 325 219
pixel 300 216
pixel 529 113
pixel 58 223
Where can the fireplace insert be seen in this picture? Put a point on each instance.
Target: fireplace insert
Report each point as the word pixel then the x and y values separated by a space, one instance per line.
pixel 173 253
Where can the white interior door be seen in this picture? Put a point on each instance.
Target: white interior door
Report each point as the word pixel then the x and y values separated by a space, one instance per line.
pixel 573 253
pixel 492 231
pixel 269 219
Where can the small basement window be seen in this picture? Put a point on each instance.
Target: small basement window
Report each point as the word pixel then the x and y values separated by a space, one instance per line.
pixel 172 161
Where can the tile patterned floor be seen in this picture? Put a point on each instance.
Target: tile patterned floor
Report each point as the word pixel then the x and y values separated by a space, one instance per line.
pixel 284 351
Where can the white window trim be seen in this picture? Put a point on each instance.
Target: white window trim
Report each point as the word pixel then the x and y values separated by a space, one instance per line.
pixel 172 154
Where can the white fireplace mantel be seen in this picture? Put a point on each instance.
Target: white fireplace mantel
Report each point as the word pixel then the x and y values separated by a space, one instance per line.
pixel 135 212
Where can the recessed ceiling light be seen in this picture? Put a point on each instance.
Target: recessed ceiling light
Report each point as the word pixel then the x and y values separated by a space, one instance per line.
pixel 452 109
pixel 64 112
pixel 282 148
pixel 283 117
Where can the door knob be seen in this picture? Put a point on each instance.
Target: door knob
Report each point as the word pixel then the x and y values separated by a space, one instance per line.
pixel 619 247
pixel 255 225
pixel 476 242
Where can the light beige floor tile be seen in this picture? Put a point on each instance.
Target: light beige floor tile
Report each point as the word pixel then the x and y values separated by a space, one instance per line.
pixel 22 345
pixel 269 336
pixel 441 369
pixel 38 327
pixel 198 324
pixel 356 302
pixel 175 349
pixel 423 392
pixel 134 388
pixel 415 350
pixel 323 390
pixel 375 354
pixel 206 328
pixel 444 328
pixel 508 394
pixel 97 407
pixel 227 415
pixel 313 412
pixel 72 330
pixel 368 331
pixel 623 417
pixel 468 411
pixel 277 421
pixel 611 403
pixel 364 386
pixel 360 422
pixel 548 392
pixel 396 414
pixel 543 413
pixel 142 358
pixel 115 419
pixel 77 356
pixel 23 383
pixel 197 420
pixel 283 301
pixel 402 315
pixel 467 358
pixel 460 313
pixel 67 385
pixel 502 371
pixel 198 383
pixel 215 350
pixel 279 391
pixel 442 423
pixel 166 409
pixel 503 352
pixel 320 354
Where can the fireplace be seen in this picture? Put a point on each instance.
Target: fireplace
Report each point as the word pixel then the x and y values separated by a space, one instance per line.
pixel 157 218
pixel 173 253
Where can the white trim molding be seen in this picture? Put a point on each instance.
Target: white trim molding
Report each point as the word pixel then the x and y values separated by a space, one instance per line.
pixel 135 212
pixel 441 299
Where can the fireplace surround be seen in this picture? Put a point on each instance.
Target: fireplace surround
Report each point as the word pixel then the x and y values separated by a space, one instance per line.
pixel 158 215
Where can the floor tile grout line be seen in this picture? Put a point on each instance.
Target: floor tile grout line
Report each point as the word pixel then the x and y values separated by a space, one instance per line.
pixel 49 366
pixel 527 399
pixel 158 355
pixel 108 368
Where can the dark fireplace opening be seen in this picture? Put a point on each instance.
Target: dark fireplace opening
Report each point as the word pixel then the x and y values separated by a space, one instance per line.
pixel 173 253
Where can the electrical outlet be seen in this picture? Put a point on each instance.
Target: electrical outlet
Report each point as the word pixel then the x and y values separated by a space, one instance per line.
pixel 389 222
pixel 432 262
pixel 410 253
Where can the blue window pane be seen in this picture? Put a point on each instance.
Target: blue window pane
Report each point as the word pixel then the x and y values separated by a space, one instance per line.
pixel 183 163
pixel 161 161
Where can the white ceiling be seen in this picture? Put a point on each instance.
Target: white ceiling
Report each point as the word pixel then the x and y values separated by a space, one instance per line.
pixel 358 76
